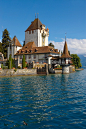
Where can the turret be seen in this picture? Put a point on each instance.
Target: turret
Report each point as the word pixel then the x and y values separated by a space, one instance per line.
pixel 65 59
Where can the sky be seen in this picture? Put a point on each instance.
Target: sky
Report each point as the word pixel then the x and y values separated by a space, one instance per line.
pixel 60 16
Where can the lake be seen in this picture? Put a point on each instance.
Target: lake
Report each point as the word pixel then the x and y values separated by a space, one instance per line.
pixel 49 102
pixel 43 102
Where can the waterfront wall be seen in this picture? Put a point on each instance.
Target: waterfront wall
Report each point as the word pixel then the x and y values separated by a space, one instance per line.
pixel 18 72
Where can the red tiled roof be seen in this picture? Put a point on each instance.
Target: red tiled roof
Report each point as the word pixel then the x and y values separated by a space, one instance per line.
pixel 16 42
pixel 65 52
pixel 30 48
pixel 36 24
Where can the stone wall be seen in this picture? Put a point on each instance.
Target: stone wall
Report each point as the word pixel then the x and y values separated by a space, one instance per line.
pixel 12 72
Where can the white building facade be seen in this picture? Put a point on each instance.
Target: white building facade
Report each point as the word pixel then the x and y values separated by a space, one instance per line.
pixel 14 46
pixel 37 33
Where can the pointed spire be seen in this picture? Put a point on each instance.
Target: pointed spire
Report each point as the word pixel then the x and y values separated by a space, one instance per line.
pixel 65 51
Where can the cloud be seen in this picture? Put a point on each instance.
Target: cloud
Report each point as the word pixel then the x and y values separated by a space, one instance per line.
pixel 0 40
pixel 75 46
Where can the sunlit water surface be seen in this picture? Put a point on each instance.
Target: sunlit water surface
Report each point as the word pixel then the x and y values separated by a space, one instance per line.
pixel 43 102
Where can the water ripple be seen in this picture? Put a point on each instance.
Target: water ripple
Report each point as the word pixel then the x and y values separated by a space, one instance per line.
pixel 53 101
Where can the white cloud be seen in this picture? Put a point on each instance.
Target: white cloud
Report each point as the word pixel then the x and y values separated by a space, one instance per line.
pixel 0 40
pixel 75 46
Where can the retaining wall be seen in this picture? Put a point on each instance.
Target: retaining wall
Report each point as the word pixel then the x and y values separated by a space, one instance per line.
pixel 11 72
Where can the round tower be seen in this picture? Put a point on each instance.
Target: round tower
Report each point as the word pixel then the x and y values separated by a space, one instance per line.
pixel 65 59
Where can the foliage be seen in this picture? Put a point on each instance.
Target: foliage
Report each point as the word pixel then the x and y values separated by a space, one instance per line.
pixel 24 43
pixel 5 42
pixel 5 67
pixel 23 62
pixel 19 67
pixel 0 47
pixel 13 63
pixel 76 60
pixel 50 44
pixel 69 52
pixel 7 63
pixel 10 63
pixel 27 65
pixel 2 66
pixel 15 70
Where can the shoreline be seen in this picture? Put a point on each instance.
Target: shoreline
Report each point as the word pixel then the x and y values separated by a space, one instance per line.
pixel 79 69
pixel 25 72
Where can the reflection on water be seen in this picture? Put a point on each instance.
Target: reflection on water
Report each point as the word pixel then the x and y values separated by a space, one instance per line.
pixel 54 101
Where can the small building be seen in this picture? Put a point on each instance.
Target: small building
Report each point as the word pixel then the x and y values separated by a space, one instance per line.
pixel 14 46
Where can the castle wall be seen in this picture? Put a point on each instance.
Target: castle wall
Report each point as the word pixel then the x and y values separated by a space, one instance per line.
pixel 65 69
pixel 31 37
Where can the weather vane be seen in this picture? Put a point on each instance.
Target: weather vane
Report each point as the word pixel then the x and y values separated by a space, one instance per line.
pixel 65 36
pixel 37 15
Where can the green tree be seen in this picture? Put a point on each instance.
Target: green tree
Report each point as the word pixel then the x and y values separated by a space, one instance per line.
pixel 50 44
pixel 23 43
pixel 13 63
pixel 23 62
pixel 5 42
pixel 76 60
pixel 0 47
pixel 10 63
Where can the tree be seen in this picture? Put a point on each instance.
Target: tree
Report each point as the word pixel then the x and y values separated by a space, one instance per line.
pixel 50 44
pixel 10 62
pixel 0 47
pixel 76 60
pixel 5 42
pixel 23 43
pixel 23 62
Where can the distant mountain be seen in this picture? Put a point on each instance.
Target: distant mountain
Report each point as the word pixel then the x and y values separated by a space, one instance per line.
pixel 83 60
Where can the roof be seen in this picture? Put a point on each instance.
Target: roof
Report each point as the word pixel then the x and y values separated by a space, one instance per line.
pixel 30 48
pixel 65 52
pixel 16 42
pixel 36 24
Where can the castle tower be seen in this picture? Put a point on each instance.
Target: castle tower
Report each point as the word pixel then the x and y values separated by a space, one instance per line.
pixel 37 33
pixel 14 46
pixel 65 59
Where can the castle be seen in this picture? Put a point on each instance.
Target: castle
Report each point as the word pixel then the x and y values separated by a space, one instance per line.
pixel 36 48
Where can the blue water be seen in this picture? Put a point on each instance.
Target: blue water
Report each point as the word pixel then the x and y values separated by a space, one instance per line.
pixel 43 102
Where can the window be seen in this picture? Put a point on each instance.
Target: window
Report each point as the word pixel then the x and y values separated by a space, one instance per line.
pixel 29 32
pixel 30 50
pixel 34 56
pixel 25 51
pixel 21 57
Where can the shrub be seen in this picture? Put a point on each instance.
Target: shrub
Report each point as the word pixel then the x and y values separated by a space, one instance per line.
pixel 2 66
pixel 15 70
pixel 5 67
pixel 19 67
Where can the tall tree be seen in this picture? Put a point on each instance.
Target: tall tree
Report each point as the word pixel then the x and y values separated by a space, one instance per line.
pixel 50 44
pixel 0 47
pixel 10 63
pixel 76 60
pixel 23 43
pixel 5 42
